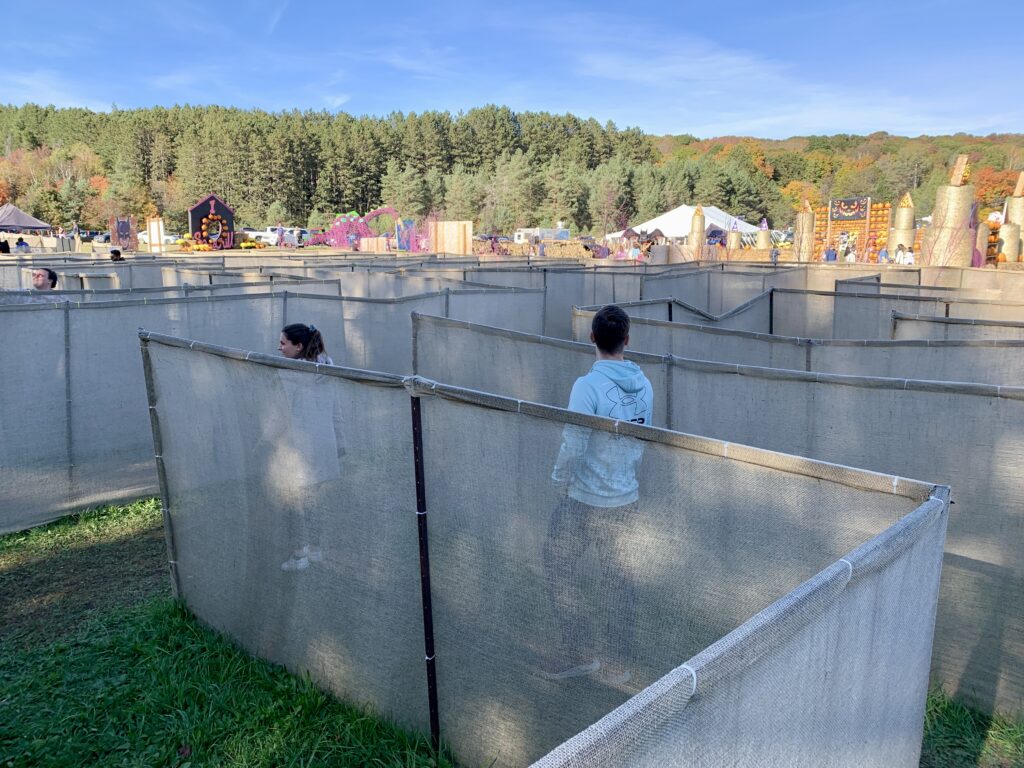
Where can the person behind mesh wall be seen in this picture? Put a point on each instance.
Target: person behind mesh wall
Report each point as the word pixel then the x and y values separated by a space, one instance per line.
pixel 595 476
pixel 307 446
pixel 44 279
pixel 303 342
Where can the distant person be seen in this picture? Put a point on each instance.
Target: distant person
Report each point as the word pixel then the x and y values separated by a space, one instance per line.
pixel 901 254
pixel 20 246
pixel 883 255
pixel 280 235
pixel 830 254
pixel 115 255
pixel 851 256
pixel 303 342
pixel 598 497
pixel 909 258
pixel 774 256
pixel 5 247
pixel 44 279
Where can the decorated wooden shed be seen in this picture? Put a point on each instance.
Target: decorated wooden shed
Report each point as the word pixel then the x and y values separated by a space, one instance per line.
pixel 212 221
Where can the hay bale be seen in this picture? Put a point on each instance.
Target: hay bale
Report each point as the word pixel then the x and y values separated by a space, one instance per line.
pixel 1015 210
pixel 1009 241
pixel 949 241
pixel 803 236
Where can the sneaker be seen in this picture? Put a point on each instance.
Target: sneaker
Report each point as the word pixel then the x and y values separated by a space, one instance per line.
pixel 313 554
pixel 295 564
pixel 563 670
pixel 615 674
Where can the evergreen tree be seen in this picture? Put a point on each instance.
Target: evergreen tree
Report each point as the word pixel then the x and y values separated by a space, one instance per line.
pixel 611 196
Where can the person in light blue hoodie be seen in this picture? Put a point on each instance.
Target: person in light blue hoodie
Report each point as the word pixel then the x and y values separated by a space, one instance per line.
pixel 595 476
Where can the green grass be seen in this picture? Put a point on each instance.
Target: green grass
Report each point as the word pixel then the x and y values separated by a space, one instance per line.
pixel 98 666
pixel 55 577
pixel 956 736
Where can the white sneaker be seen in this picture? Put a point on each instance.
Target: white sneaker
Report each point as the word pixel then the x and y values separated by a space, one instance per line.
pixel 313 554
pixel 295 564
pixel 568 670
pixel 615 674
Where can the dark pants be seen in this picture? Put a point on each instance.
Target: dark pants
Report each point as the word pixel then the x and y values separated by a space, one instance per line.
pixel 574 528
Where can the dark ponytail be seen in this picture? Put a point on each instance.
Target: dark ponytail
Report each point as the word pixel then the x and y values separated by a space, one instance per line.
pixel 309 337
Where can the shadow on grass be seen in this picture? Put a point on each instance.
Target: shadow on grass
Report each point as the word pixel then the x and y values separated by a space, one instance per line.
pixel 148 685
pixel 55 577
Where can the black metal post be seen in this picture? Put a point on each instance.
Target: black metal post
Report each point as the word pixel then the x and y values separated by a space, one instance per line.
pixel 428 612
pixel 771 311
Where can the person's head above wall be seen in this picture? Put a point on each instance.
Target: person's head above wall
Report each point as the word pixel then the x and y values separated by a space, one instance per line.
pixel 44 279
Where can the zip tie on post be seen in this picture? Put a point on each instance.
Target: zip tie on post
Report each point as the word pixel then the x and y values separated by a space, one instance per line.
pixel 693 672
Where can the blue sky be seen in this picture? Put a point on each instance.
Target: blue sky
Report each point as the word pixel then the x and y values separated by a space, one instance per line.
pixel 768 69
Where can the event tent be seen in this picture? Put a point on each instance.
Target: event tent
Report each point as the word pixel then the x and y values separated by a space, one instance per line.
pixel 676 223
pixel 13 219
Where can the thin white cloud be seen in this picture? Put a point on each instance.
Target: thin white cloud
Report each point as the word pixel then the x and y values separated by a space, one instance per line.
pixel 275 17
pixel 688 83
pixel 338 100
pixel 44 86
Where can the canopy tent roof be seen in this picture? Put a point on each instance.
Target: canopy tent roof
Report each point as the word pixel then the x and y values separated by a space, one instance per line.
pixel 676 223
pixel 13 218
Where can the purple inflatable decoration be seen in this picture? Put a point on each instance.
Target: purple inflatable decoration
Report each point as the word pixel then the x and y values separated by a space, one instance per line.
pixel 349 228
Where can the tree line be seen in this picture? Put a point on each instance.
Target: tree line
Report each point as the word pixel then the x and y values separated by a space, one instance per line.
pixel 499 168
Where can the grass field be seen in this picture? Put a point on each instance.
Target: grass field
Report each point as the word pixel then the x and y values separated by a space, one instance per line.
pixel 98 666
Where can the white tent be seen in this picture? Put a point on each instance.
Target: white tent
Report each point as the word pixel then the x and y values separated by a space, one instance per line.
pixel 676 223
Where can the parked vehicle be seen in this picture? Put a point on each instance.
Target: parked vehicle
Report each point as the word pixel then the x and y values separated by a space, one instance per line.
pixel 293 236
pixel 170 238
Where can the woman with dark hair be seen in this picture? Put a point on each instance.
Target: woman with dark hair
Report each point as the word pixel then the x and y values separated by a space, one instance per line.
pixel 304 434
pixel 303 342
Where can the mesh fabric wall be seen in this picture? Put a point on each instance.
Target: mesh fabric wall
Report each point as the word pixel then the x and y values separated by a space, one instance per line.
pixel 325 287
pixel 702 342
pixel 693 288
pixel 518 308
pixel 822 277
pixel 878 424
pixel 1005 281
pixel 568 288
pixel 857 421
pixel 754 315
pixel 35 464
pixel 84 391
pixel 715 711
pixel 292 508
pixel 719 535
pixel 982 361
pixel 375 334
pixel 823 315
pixel 906 326
pixel 518 365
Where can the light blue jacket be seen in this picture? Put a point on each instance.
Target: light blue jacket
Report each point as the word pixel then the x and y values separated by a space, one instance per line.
pixel 599 468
